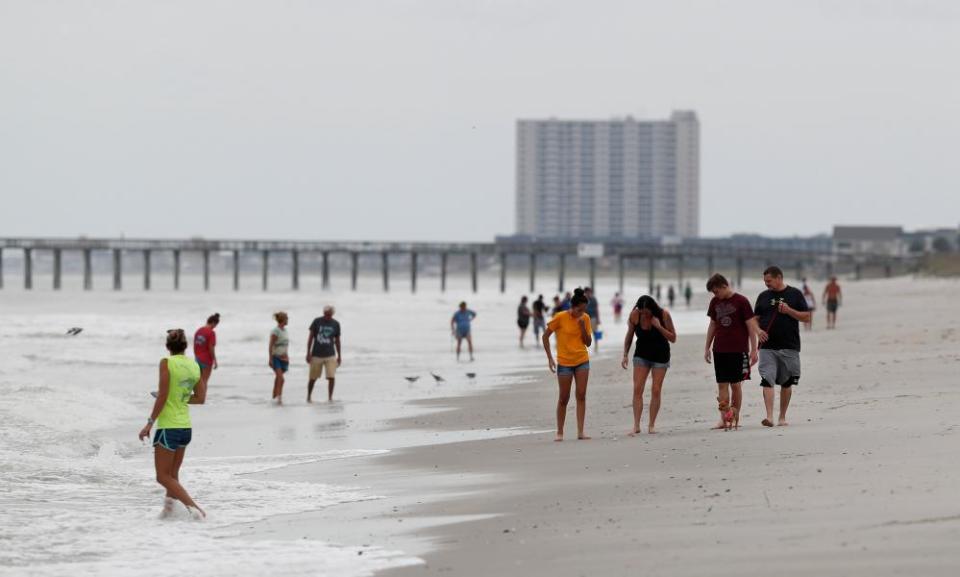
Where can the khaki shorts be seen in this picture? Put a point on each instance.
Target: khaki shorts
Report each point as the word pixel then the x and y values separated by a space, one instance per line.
pixel 319 366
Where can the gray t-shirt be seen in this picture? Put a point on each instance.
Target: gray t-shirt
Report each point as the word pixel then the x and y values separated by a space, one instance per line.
pixel 282 343
pixel 325 331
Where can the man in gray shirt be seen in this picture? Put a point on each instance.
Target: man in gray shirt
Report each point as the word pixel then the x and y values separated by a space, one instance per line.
pixel 323 351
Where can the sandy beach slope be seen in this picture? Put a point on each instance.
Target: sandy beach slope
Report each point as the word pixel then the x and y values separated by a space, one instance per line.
pixel 862 482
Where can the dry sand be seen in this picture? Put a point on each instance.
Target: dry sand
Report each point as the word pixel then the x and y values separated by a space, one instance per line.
pixel 863 481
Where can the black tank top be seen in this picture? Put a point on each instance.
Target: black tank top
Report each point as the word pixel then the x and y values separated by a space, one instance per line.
pixel 652 345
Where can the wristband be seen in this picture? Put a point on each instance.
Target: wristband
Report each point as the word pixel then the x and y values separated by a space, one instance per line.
pixel 150 421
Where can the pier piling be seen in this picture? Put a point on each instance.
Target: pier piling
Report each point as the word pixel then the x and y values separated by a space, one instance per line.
pixel 87 269
pixel 236 270
pixel 28 268
pixel 206 270
pixel 533 270
pixel 325 271
pixel 117 269
pixel 473 271
pixel 413 272
pixel 176 269
pixel 146 269
pixel 57 268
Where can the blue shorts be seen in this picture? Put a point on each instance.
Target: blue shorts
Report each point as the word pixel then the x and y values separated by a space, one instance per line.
pixel 567 370
pixel 463 333
pixel 172 439
pixel 278 363
pixel 642 362
pixel 203 366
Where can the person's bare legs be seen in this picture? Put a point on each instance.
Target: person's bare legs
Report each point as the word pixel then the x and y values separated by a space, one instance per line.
pixel 768 405
pixel 330 383
pixel 564 381
pixel 523 332
pixel 459 343
pixel 657 386
pixel 581 377
pixel 640 373
pixel 310 384
pixel 167 465
pixel 278 385
pixel 737 395
pixel 470 345
pixel 785 394
pixel 723 394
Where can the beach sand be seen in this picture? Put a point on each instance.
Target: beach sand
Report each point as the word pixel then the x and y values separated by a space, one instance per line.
pixel 862 482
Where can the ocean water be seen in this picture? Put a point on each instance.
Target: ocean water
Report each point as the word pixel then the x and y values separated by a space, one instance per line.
pixel 77 494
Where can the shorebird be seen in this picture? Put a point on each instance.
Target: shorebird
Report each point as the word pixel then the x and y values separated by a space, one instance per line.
pixel 412 379
pixel 471 375
pixel 436 377
pixel 75 331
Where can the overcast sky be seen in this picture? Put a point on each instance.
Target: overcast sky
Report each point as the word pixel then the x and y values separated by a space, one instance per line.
pixel 358 119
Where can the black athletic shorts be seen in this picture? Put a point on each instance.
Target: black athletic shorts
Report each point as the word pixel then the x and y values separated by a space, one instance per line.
pixel 731 367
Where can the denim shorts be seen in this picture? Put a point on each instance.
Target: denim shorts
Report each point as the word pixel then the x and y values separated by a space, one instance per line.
pixel 278 363
pixel 568 370
pixel 642 362
pixel 172 439
pixel 203 366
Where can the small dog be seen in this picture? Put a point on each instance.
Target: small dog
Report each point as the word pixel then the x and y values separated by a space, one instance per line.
pixel 730 415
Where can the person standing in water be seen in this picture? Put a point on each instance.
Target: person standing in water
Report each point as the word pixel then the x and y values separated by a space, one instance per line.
pixel 323 351
pixel 593 311
pixel 279 358
pixel 523 318
pixel 204 346
pixel 653 328
pixel 180 385
pixel 539 310
pixel 688 294
pixel 460 325
pixel 617 303
pixel 574 335
pixel 671 295
pixel 832 296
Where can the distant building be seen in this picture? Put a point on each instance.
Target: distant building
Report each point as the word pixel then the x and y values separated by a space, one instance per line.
pixel 933 240
pixel 874 240
pixel 609 179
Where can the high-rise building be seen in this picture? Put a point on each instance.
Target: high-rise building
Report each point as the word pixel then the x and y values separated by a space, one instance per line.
pixel 609 179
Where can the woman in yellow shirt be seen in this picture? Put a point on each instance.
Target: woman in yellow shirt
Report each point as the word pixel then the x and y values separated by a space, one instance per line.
pixel 574 336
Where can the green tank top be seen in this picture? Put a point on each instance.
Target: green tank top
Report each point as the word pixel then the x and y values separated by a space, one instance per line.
pixel 184 375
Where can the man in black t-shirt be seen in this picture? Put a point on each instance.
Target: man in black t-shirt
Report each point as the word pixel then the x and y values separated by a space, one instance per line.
pixel 323 351
pixel 539 308
pixel 780 309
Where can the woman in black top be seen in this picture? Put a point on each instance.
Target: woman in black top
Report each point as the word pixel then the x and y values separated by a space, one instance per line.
pixel 523 318
pixel 653 328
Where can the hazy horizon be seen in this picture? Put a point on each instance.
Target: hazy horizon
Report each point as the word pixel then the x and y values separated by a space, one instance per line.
pixel 396 120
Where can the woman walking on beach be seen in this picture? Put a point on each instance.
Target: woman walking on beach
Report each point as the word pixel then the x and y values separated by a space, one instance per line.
pixel 279 359
pixel 574 336
pixel 204 347
pixel 523 318
pixel 460 325
pixel 180 385
pixel 653 328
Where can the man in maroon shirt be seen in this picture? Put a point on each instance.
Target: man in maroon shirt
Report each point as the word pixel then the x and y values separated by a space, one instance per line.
pixel 731 340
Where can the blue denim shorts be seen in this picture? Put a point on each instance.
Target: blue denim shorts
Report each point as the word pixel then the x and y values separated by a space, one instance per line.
pixel 203 366
pixel 642 362
pixel 172 439
pixel 567 370
pixel 278 363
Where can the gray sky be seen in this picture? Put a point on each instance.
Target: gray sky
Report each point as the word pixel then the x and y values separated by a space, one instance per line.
pixel 395 120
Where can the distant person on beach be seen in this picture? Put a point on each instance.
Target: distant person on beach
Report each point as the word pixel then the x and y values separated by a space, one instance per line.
pixel 574 335
pixel 653 328
pixel 460 325
pixel 323 351
pixel 659 298
pixel 180 384
pixel 279 359
pixel 617 304
pixel 557 305
pixel 780 310
pixel 811 304
pixel 688 294
pixel 832 296
pixel 539 311
pixel 671 295
pixel 565 303
pixel 523 318
pixel 593 311
pixel 731 341
pixel 204 347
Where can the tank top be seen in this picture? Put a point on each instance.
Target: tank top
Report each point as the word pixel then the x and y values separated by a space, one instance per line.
pixel 184 375
pixel 652 345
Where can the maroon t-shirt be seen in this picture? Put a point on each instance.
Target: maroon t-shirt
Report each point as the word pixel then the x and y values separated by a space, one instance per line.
pixel 203 339
pixel 731 316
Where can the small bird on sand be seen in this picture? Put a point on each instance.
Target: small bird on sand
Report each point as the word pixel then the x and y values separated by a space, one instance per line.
pixel 437 377
pixel 75 331
pixel 471 375
pixel 412 379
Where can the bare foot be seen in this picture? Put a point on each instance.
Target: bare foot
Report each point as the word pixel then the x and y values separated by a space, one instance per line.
pixel 583 438
pixel 720 425
pixel 782 423
pixel 634 432
pixel 558 438
pixel 651 431
pixel 766 423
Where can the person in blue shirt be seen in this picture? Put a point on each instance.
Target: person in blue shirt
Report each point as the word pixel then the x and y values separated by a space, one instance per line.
pixel 460 325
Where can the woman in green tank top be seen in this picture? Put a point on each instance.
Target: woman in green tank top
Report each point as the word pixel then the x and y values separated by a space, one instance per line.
pixel 180 385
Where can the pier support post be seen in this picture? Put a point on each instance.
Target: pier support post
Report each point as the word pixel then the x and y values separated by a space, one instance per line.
pixel 680 270
pixel 858 271
pixel 325 271
pixel 561 272
pixel 295 281
pixel 799 269
pixel 829 268
pixel 87 269
pixel 57 268
pixel 1 268
pixel 443 272
pixel 354 269
pixel 413 272
pixel 620 272
pixel 176 269
pixel 533 270
pixel 265 270
pixel 887 270
pixel 385 269
pixel 710 268
pixel 503 272
pixel 651 265
pixel 146 269
pixel 117 269
pixel 206 270
pixel 739 272
pixel 28 268
pixel 593 274
pixel 473 271
pixel 236 270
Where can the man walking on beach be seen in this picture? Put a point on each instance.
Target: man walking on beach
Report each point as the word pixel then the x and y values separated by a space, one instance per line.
pixel 780 310
pixel 593 311
pixel 323 351
pixel 832 296
pixel 731 341
pixel 539 309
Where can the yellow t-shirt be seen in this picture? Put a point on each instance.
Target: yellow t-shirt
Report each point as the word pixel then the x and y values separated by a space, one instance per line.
pixel 570 348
